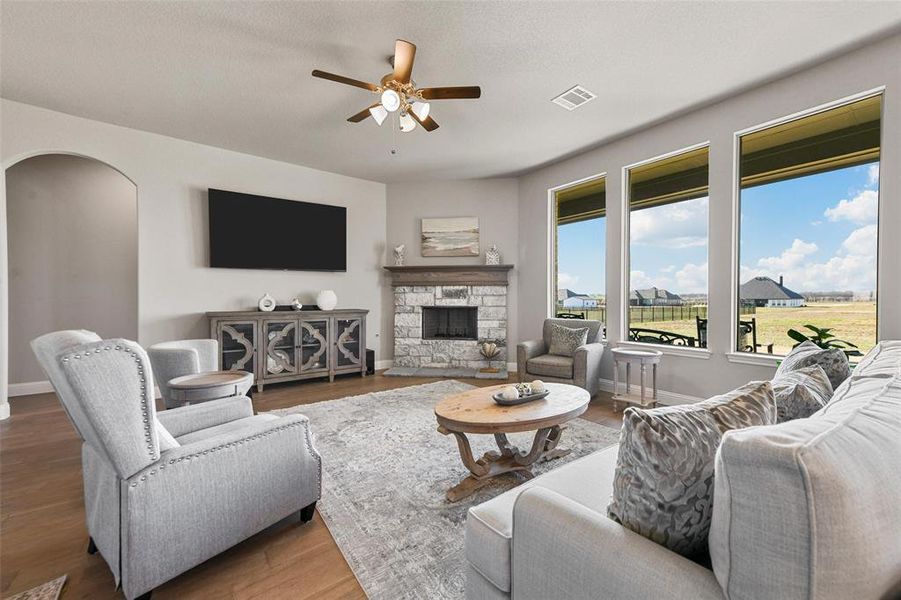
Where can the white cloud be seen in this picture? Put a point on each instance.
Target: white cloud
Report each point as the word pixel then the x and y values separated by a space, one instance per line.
pixel 873 175
pixel 565 280
pixel 853 267
pixel 861 242
pixel 640 279
pixel 861 209
pixel 678 225
pixel 692 279
pixel 790 258
pixel 668 269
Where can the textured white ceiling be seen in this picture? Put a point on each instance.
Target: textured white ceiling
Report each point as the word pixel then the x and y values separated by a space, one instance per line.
pixel 237 75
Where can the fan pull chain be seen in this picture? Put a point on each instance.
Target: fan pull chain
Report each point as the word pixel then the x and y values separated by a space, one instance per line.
pixel 393 150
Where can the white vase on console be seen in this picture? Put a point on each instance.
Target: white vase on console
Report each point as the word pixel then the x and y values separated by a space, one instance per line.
pixel 326 300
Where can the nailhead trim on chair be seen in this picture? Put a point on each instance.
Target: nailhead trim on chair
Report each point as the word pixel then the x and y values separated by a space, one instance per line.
pixel 239 442
pixel 148 434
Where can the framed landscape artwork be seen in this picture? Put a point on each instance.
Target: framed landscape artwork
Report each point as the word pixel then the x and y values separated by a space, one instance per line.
pixel 454 236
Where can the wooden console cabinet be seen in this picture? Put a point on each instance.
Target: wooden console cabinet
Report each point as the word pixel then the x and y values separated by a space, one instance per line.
pixel 291 345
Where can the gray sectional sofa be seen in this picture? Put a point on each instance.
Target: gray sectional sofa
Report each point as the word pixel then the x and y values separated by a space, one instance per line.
pixel 807 509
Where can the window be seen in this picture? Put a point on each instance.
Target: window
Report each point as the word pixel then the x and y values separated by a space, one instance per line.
pixel 668 250
pixel 580 215
pixel 808 205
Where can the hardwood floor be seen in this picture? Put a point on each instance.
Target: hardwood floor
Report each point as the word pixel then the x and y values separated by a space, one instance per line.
pixel 42 512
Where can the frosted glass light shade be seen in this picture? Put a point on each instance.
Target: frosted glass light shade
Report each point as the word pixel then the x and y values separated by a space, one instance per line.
pixel 407 124
pixel 379 114
pixel 390 100
pixel 421 109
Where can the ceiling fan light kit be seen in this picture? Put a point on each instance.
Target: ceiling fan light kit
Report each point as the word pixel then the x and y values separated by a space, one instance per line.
pixel 379 114
pixel 398 93
pixel 390 100
pixel 421 109
pixel 407 124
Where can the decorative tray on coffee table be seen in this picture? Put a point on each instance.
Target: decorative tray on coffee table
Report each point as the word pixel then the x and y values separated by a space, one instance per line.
pixel 523 397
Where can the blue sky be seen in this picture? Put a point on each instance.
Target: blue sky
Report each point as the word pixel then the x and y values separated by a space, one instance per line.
pixel 818 232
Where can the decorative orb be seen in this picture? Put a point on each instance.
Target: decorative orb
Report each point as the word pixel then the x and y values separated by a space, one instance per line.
pixel 509 393
pixel 326 300
pixel 538 386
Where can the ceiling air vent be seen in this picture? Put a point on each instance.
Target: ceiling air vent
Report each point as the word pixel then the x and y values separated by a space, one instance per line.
pixel 574 97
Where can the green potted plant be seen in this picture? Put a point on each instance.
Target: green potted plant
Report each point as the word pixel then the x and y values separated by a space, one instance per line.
pixel 822 337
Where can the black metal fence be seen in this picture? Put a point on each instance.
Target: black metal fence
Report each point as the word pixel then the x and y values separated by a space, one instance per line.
pixel 650 314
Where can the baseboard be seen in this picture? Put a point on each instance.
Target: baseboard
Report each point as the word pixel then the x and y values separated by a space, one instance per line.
pixel 663 396
pixel 29 388
pixel 44 387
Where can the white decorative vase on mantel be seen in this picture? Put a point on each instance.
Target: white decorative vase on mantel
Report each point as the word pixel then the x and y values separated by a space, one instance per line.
pixel 326 300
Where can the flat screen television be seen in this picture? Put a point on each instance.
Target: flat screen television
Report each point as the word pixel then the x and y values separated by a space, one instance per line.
pixel 256 232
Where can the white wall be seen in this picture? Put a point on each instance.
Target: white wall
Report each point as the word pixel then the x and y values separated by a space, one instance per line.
pixel 176 287
pixel 868 68
pixel 494 201
pixel 73 253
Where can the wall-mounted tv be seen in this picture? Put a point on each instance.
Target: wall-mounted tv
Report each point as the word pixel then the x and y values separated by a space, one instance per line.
pixel 256 232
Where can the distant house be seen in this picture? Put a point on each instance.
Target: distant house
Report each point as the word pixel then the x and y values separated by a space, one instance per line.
pixel 763 291
pixel 564 293
pixel 654 297
pixel 581 301
pixel 570 299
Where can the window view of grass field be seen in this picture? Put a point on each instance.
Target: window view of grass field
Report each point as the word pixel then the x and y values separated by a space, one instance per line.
pixel 808 209
pixel 811 240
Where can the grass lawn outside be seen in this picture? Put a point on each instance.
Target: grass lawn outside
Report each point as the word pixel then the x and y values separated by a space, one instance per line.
pixel 854 322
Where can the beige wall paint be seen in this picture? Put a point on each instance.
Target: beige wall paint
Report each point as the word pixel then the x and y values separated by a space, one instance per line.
pixel 868 68
pixel 73 253
pixel 175 285
pixel 494 201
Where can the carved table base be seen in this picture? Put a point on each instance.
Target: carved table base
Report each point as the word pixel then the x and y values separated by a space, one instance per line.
pixel 509 459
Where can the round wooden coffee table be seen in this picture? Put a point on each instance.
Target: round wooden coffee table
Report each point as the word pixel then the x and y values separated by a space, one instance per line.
pixel 474 411
pixel 209 385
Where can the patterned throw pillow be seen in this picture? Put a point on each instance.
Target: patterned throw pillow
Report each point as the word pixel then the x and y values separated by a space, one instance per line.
pixel 663 486
pixel 801 393
pixel 833 361
pixel 565 340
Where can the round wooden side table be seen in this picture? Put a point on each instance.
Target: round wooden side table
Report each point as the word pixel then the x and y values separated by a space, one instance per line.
pixel 642 358
pixel 475 411
pixel 209 385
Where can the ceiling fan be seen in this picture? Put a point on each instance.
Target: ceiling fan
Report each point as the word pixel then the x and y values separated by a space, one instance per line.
pixel 398 93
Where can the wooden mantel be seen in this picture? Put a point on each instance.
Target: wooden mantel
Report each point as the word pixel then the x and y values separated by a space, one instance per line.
pixel 449 275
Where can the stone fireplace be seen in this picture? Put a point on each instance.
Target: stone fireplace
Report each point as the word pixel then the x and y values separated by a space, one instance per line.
pixel 442 314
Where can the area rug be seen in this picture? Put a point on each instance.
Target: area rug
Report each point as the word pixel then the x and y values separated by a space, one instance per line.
pixel 45 591
pixel 385 470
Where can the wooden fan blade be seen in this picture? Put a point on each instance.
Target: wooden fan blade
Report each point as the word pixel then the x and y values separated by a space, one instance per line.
pixel 404 53
pixel 362 114
pixel 428 123
pixel 345 80
pixel 450 93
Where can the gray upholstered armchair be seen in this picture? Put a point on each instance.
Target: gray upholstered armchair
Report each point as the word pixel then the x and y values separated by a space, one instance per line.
pixel 165 492
pixel 183 357
pixel 582 369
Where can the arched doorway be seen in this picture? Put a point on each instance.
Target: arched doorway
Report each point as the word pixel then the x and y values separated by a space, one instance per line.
pixel 72 255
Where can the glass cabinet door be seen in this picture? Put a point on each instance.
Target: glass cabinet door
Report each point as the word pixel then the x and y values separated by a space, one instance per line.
pixel 347 343
pixel 236 346
pixel 314 355
pixel 281 355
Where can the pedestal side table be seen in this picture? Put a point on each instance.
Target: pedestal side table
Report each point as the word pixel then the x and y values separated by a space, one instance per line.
pixel 210 385
pixel 644 359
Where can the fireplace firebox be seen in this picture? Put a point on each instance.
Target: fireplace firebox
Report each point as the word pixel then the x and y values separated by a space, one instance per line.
pixel 450 323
